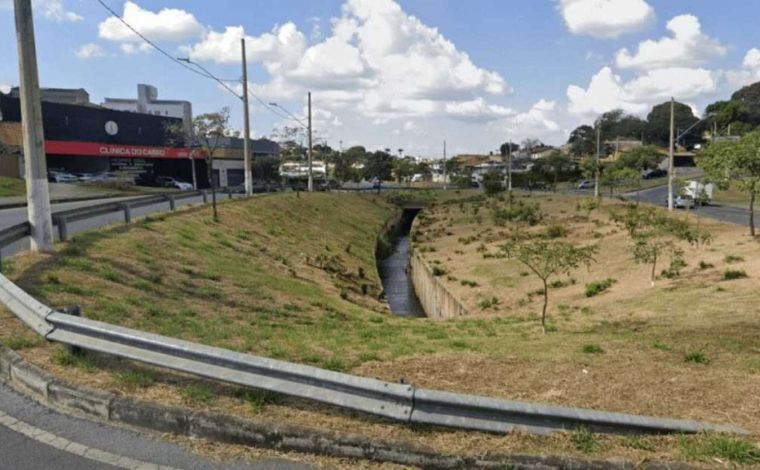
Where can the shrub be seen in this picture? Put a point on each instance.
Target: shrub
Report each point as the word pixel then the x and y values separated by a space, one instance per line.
pixel 730 259
pixel 697 357
pixel 705 266
pixel 597 287
pixel 520 212
pixel 732 275
pixel 592 349
pixel 485 304
pixel 493 183
pixel 556 231
pixel 468 283
pixel 438 272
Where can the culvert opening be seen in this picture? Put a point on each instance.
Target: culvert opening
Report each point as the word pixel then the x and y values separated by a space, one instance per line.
pixel 394 271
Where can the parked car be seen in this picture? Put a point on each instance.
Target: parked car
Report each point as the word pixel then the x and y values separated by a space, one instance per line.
pixel 652 174
pixel 169 182
pixel 585 184
pixel 84 177
pixel 61 177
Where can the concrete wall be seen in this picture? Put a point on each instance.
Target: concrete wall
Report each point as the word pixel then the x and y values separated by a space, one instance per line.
pixel 436 300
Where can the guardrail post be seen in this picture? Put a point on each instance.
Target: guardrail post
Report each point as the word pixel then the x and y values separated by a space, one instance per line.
pixel 172 202
pixel 127 213
pixel 63 229
pixel 75 311
pixel 229 194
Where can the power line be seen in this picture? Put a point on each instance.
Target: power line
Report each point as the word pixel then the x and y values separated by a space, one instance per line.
pixel 186 64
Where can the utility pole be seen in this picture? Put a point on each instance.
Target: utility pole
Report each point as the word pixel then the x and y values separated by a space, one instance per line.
pixel 444 166
pixel 311 176
pixel 37 191
pixel 509 167
pixel 246 127
pixel 598 152
pixel 671 156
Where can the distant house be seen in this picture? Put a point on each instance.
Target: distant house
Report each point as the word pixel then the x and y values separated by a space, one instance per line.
pixel 541 152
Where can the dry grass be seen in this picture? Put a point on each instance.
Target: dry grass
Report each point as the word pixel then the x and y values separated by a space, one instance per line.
pixel 232 285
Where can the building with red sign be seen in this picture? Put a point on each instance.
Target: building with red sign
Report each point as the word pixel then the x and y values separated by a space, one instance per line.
pixel 93 139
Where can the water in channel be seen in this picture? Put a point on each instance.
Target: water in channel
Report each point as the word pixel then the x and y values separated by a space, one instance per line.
pixel 394 275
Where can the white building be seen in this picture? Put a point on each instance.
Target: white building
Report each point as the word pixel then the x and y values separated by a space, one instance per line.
pixel 147 102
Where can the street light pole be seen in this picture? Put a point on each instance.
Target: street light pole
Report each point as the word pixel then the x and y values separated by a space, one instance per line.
pixel 444 166
pixel 598 152
pixel 35 165
pixel 509 167
pixel 311 175
pixel 671 155
pixel 246 127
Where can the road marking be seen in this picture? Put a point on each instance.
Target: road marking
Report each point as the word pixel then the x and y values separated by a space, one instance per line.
pixel 65 445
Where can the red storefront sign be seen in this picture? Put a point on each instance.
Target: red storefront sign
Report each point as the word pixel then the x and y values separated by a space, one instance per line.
pixel 96 149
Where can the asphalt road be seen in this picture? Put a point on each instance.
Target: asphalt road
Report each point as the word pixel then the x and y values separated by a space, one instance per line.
pixel 659 196
pixel 33 436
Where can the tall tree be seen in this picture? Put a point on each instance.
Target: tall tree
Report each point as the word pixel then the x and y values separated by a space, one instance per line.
pixel 617 123
pixel 582 141
pixel 736 163
pixel 658 124
pixel 379 165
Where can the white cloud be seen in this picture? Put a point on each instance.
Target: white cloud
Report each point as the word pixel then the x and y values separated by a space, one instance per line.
pixel 52 10
pixel 537 121
pixel 608 91
pixel 749 73
pixel 477 110
pixel 377 59
pixel 169 24
pixel 687 47
pixel 132 49
pixel 605 18
pixel 5 88
pixel 89 51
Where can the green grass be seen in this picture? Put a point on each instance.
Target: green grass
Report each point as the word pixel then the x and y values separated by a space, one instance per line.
pixel 21 342
pixel 135 379
pixel 711 446
pixel 259 399
pixel 198 393
pixel 734 274
pixel 11 187
pixel 585 441
pixel 597 287
pixel 697 357
pixel 592 349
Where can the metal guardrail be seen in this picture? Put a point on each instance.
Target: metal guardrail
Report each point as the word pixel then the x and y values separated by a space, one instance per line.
pixel 399 402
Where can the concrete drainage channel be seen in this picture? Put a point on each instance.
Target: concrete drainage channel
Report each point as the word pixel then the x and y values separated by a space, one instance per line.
pixel 402 403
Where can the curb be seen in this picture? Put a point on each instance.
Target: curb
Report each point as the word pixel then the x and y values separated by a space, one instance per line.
pixel 43 386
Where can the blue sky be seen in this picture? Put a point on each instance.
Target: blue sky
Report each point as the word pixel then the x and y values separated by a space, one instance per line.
pixel 407 73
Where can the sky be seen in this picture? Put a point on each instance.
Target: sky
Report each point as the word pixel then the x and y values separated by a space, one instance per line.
pixel 404 74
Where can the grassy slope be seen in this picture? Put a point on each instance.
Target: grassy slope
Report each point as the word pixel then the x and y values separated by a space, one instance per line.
pixel 253 283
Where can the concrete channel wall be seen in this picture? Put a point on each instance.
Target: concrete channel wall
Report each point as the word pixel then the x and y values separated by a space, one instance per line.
pixel 436 300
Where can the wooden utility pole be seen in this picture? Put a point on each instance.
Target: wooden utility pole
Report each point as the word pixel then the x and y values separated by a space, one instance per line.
pixel 35 165
pixel 444 166
pixel 598 153
pixel 671 156
pixel 246 127
pixel 509 167
pixel 311 175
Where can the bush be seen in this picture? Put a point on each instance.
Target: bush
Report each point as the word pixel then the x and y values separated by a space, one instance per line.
pixel 438 272
pixel 595 288
pixel 697 357
pixel 556 231
pixel 705 266
pixel 592 349
pixel 730 259
pixel 520 212
pixel 493 183
pixel 732 275
pixel 485 304
pixel 468 283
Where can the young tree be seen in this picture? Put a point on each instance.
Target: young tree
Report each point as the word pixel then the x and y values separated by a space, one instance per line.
pixel 655 235
pixel 493 183
pixel 737 163
pixel 558 165
pixel 208 130
pixel 582 141
pixel 547 259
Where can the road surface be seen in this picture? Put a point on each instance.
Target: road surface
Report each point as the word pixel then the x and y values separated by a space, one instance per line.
pixel 34 437
pixel 659 196
pixel 14 216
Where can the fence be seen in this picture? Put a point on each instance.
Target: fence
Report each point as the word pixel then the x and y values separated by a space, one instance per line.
pixel 398 402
